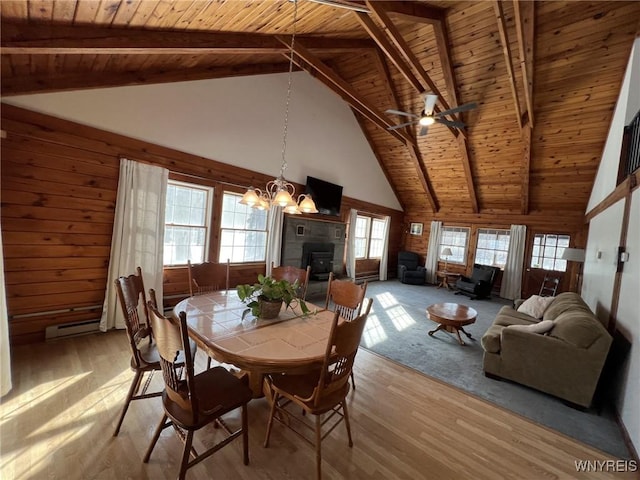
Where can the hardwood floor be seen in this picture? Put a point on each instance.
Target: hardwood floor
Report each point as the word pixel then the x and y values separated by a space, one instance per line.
pixel 58 423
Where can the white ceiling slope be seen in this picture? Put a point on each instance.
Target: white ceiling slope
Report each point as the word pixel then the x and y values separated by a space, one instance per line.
pixel 238 121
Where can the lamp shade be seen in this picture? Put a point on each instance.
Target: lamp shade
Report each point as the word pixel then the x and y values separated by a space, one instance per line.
pixel 573 254
pixel 446 252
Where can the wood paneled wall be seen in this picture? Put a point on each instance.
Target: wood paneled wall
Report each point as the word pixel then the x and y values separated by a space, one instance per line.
pixel 59 181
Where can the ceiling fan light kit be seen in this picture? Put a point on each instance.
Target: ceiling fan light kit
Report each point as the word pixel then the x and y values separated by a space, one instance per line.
pixel 427 117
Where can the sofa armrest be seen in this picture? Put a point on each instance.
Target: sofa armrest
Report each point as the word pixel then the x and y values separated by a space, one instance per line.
pixel 550 364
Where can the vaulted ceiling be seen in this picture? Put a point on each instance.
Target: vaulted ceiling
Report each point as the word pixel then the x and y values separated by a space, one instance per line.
pixel 545 76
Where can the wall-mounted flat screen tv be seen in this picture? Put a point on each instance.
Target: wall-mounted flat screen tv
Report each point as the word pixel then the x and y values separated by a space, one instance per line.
pixel 327 196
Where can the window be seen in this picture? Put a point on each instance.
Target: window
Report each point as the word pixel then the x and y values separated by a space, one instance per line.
pixel 492 248
pixel 186 223
pixel 369 237
pixel 547 251
pixel 243 231
pixel 456 238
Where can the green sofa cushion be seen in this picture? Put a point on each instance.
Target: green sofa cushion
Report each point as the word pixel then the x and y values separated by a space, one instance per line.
pixel 577 328
pixel 564 302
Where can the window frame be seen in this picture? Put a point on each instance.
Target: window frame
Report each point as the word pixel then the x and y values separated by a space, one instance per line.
pixel 371 220
pixel 221 229
pixel 496 232
pixel 453 246
pixel 558 251
pixel 207 226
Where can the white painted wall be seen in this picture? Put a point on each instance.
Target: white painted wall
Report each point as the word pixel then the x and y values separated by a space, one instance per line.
pixel 604 235
pixel 626 108
pixel 238 121
pixel 629 324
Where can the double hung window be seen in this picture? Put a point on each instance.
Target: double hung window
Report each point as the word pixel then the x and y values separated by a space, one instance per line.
pixel 243 231
pixel 457 239
pixel 492 248
pixel 187 223
pixel 369 237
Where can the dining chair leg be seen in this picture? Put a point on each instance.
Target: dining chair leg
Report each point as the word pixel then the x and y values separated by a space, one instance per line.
pixel 208 363
pixel 345 413
pixel 184 464
pixel 135 383
pixel 318 447
pixel 161 426
pixel 272 413
pixel 353 380
pixel 245 435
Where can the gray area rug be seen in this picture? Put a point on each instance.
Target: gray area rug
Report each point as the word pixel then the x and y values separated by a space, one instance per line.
pixel 397 329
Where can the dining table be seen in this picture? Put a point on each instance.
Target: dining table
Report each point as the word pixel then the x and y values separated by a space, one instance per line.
pixel 293 342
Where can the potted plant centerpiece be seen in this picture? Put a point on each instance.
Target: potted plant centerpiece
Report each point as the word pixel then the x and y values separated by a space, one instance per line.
pixel 265 297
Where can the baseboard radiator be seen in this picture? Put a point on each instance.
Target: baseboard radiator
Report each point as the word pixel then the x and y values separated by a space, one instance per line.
pixel 72 329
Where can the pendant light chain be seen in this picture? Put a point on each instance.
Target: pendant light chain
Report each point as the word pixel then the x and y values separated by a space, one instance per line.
pixel 286 110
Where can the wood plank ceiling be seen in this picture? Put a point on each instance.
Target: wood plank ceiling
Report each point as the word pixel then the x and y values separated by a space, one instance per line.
pixel 545 76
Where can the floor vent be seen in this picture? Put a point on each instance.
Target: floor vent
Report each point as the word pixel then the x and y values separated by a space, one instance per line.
pixel 72 329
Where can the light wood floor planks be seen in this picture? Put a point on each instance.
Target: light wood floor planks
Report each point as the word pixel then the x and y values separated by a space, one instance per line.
pixel 58 423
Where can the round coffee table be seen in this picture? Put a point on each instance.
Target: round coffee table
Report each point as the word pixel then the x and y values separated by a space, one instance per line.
pixel 451 318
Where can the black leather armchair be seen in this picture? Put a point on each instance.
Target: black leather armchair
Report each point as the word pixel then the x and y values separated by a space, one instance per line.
pixel 409 269
pixel 480 283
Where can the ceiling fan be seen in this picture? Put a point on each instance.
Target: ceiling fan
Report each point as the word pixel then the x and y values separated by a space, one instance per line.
pixel 427 117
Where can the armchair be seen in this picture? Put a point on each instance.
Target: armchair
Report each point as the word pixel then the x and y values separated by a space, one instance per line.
pixel 409 270
pixel 480 283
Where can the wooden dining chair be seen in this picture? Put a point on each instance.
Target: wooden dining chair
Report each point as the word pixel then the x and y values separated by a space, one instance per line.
pixel 345 297
pixel 144 355
pixel 319 392
pixel 291 274
pixel 192 401
pixel 208 277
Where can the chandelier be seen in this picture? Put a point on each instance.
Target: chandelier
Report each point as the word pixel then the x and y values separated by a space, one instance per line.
pixel 279 192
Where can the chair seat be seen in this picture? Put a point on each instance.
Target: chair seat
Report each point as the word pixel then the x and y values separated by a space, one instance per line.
pixel 150 356
pixel 214 388
pixel 302 386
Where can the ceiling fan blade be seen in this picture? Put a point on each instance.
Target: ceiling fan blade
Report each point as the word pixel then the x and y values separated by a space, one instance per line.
pixel 398 112
pixel 423 131
pixel 449 123
pixel 395 127
pixel 429 102
pixel 461 108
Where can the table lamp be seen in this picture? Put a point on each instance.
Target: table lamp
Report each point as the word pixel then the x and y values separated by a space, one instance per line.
pixel 575 255
pixel 446 253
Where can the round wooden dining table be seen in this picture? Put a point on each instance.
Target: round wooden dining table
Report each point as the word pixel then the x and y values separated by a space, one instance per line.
pixel 291 343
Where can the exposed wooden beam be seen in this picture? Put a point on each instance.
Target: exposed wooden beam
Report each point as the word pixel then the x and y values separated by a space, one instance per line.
pixel 346 91
pixel 396 37
pixel 52 82
pixel 445 59
pixel 389 50
pixel 57 39
pixel 413 150
pixel 525 26
pixel 527 133
pixel 504 40
pixel 414 10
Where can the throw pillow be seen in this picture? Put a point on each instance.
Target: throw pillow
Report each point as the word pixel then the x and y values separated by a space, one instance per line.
pixel 535 305
pixel 541 327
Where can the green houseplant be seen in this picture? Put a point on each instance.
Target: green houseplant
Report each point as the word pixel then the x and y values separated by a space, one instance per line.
pixel 264 298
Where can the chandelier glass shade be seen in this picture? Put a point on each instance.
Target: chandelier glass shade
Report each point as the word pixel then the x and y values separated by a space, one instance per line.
pixel 279 192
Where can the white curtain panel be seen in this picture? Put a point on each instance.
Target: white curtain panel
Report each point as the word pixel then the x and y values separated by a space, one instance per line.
pixel 5 349
pixel 384 260
pixel 275 219
pixel 138 234
pixel 512 276
pixel 432 251
pixel 351 245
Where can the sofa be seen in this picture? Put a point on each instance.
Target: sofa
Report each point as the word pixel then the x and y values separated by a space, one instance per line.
pixel 409 269
pixel 561 353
